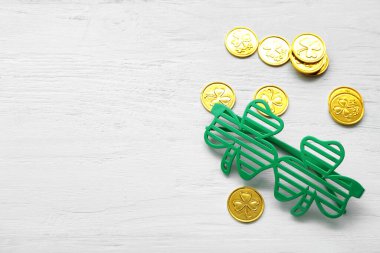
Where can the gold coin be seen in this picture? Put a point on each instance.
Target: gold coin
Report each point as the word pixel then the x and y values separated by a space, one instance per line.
pixel 324 67
pixel 217 92
pixel 241 42
pixel 308 48
pixel 346 109
pixel 245 204
pixel 307 68
pixel 347 90
pixel 275 97
pixel 274 50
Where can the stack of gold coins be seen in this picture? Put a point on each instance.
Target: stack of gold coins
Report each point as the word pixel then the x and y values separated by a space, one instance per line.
pixel 309 54
pixel 346 105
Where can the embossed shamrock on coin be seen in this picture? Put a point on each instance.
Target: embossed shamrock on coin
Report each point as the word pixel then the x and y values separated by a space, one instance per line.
pixel 241 42
pixel 276 98
pixel 217 92
pixel 245 204
pixel 274 50
pixel 309 48
pixel 346 106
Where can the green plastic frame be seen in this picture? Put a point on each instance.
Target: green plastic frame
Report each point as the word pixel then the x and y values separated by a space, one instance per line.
pixel 307 174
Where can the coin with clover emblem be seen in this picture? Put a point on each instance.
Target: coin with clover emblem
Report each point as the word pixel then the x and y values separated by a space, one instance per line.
pixel 275 97
pixel 245 204
pixel 241 42
pixel 274 50
pixel 308 48
pixel 217 92
pixel 346 108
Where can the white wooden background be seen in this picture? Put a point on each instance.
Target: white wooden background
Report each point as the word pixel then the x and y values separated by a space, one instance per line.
pixel 101 131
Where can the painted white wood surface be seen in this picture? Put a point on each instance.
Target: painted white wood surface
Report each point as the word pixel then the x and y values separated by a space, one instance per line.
pixel 101 146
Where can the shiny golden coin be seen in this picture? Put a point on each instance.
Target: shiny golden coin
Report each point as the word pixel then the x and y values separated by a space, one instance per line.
pixel 275 97
pixel 347 90
pixel 309 48
pixel 217 92
pixel 307 68
pixel 346 109
pixel 241 42
pixel 245 204
pixel 324 67
pixel 274 50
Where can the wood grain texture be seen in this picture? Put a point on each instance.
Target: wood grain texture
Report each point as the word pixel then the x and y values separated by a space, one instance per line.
pixel 101 125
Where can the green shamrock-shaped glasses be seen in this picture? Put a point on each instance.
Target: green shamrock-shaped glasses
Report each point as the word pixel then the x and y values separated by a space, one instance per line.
pixel 307 174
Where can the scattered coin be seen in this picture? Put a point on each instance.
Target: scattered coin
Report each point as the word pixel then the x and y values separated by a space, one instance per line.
pixel 275 97
pixel 241 42
pixel 308 48
pixel 346 106
pixel 274 50
pixel 217 92
pixel 245 204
